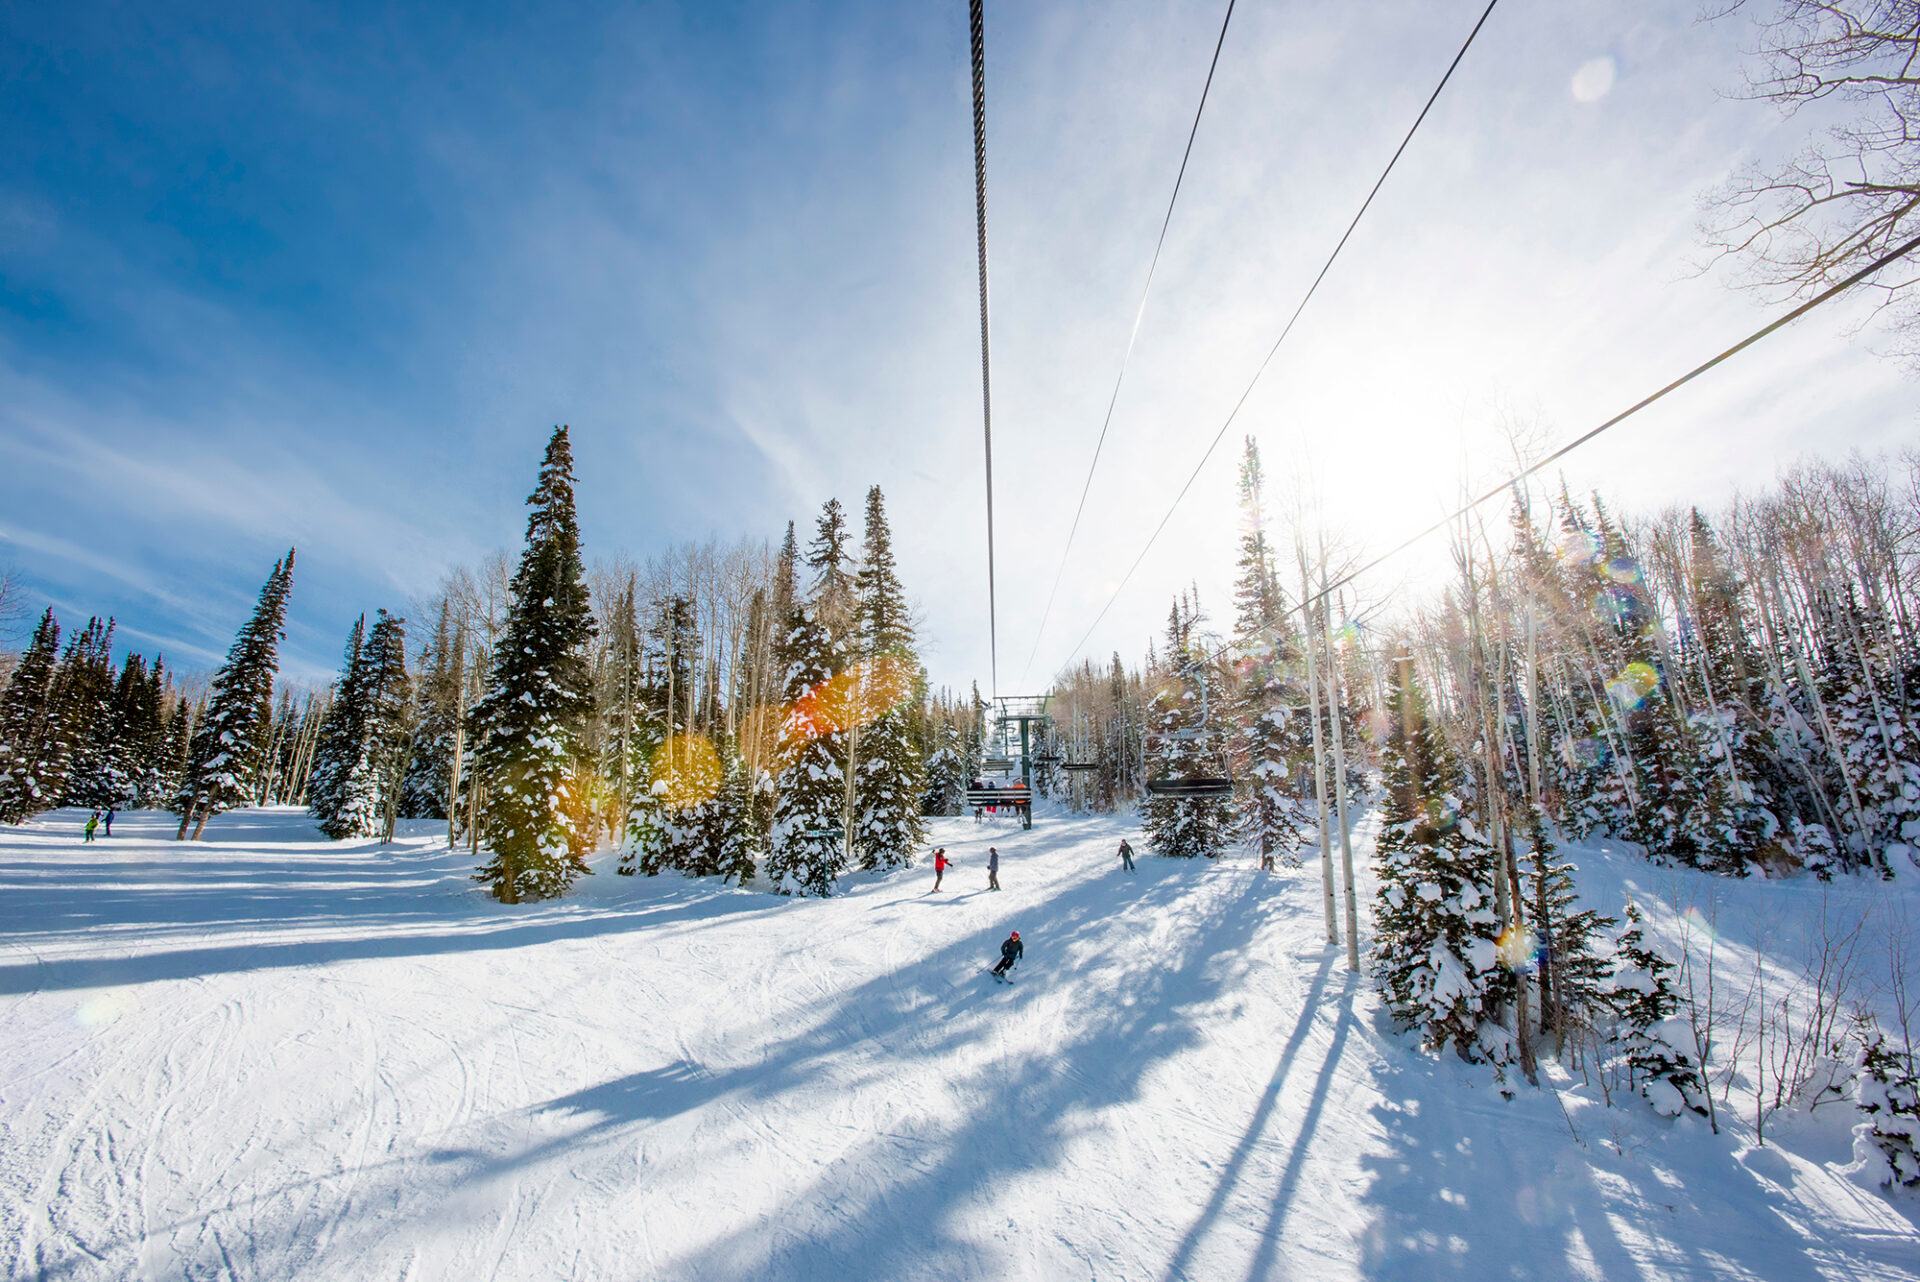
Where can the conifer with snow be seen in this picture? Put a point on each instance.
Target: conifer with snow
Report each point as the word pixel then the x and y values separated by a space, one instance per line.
pixel 1650 1041
pixel 1573 972
pixel 1184 743
pixel 86 687
pixel 888 777
pixel 230 740
pixel 426 791
pixel 34 749
pixel 811 783
pixel 1273 738
pixel 1435 956
pixel 528 727
pixel 1886 1141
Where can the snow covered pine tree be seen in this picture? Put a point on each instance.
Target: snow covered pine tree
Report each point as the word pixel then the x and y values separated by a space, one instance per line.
pixel 34 749
pixel 1658 1068
pixel 1435 955
pixel 527 728
pixel 888 778
pixel 228 745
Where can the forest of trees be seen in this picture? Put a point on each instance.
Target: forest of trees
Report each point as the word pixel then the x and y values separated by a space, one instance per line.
pixel 721 709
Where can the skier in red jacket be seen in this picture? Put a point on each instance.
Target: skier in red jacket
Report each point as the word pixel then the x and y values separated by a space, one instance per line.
pixel 940 865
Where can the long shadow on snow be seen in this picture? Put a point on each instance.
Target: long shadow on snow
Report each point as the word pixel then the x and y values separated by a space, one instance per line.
pixel 1478 1189
pixel 1017 1122
pixel 387 932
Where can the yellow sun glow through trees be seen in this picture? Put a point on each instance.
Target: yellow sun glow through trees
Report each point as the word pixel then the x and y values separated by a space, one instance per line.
pixel 1635 682
pixel 686 771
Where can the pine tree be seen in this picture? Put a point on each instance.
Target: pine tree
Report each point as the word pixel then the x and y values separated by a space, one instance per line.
pixel 1184 746
pixel 139 733
pixel 1436 959
pixel 737 848
pixel 426 790
pixel 86 688
pixel 811 784
pixel 228 744
pixel 1664 1074
pixel 376 721
pixel 888 777
pixel 1573 973
pixel 527 728
pixel 1861 685
pixel 33 745
pixel 1273 740
pixel 342 731
pixel 1887 1142
pixel 946 773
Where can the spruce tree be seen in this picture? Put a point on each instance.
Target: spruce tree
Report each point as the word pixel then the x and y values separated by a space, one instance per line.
pixel 1663 1073
pixel 1436 960
pixel 33 745
pixel 1887 1143
pixel 528 726
pixel 230 740
pixel 86 688
pixel 1573 972
pixel 889 778
pixel 426 791
pixel 1185 744
pixel 810 778
pixel 1273 741
pixel 374 709
pixel 342 731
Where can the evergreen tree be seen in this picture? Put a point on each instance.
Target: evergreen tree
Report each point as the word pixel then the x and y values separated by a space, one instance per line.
pixel 527 727
pixel 1184 746
pixel 85 693
pixel 341 733
pixel 946 773
pixel 1663 1073
pixel 34 749
pixel 139 733
pixel 810 780
pixel 888 778
pixel 1887 1142
pixel 228 744
pixel 737 848
pixel 1573 972
pixel 1436 960
pixel 426 790
pixel 1273 741
pixel 1861 683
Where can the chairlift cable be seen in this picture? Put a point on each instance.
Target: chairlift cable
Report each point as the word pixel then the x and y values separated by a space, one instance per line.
pixel 1272 351
pixel 1133 336
pixel 977 25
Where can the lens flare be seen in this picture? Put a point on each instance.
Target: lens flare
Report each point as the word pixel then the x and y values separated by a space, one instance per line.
pixel 686 772
pixel 1624 570
pixel 1519 948
pixel 1588 753
pixel 1633 686
pixel 1580 547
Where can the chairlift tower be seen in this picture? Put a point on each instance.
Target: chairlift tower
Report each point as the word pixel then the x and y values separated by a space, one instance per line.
pixel 1024 711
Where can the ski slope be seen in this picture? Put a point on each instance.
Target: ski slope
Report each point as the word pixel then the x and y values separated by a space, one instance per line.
pixel 269 1056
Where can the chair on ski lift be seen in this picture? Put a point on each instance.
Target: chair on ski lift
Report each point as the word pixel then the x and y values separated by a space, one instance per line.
pixel 1194 786
pixel 1075 767
pixel 1016 797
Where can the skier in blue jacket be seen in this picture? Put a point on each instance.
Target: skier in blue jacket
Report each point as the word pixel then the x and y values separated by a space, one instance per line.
pixel 1010 952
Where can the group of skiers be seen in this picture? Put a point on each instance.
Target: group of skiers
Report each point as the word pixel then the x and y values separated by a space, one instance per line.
pixel 1011 950
pixel 94 821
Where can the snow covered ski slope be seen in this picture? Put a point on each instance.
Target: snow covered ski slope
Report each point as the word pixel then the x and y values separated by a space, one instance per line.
pixel 268 1056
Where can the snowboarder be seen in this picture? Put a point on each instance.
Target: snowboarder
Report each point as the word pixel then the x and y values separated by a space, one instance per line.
pixel 940 865
pixel 1010 952
pixel 93 821
pixel 107 823
pixel 993 868
pixel 1126 856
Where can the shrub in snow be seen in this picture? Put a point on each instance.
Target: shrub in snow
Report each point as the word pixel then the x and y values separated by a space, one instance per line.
pixel 1651 1038
pixel 1887 1139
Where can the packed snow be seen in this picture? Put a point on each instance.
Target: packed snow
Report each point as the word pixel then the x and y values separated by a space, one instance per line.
pixel 268 1055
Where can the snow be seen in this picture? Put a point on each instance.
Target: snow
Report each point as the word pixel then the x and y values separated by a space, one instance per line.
pixel 270 1056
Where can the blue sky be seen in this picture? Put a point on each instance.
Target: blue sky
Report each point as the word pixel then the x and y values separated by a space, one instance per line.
pixel 297 275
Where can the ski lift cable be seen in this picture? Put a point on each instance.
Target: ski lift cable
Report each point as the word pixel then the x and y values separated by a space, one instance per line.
pixel 1781 322
pixel 1133 336
pixel 1272 351
pixel 976 23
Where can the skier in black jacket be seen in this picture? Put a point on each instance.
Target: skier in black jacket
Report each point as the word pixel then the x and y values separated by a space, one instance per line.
pixel 1010 952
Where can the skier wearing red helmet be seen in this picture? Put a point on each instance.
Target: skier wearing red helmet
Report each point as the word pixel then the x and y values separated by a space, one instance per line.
pixel 1010 952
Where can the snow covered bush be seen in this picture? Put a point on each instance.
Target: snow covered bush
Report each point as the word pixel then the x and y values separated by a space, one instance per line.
pixel 1886 1141
pixel 1651 1036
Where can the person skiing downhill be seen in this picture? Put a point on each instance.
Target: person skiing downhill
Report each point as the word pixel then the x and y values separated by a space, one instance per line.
pixel 940 865
pixel 1010 952
pixel 1126 856
pixel 993 868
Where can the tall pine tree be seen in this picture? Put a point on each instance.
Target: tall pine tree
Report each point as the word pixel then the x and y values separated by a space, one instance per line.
pixel 889 778
pixel 34 749
pixel 527 728
pixel 231 739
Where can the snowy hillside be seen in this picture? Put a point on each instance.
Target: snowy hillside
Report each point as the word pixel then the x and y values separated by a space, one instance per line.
pixel 271 1056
